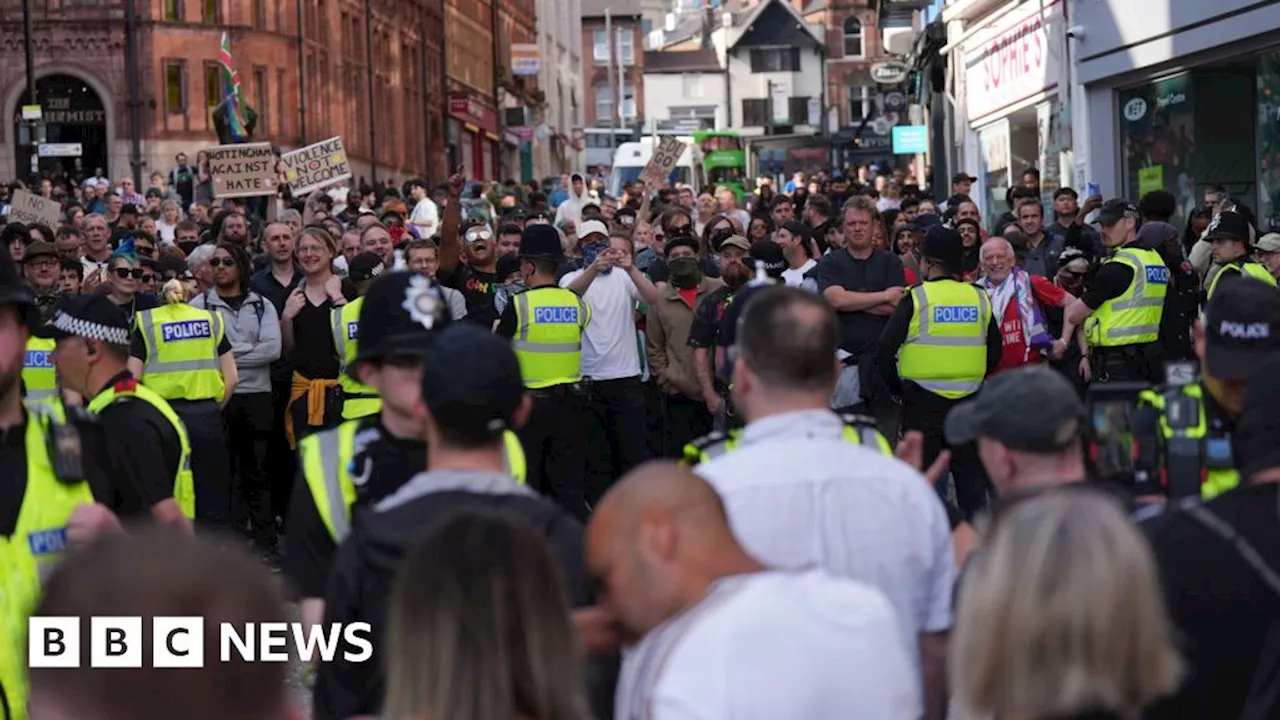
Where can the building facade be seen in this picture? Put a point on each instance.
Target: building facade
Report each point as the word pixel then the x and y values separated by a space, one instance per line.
pixel 1178 97
pixel 82 81
pixel 613 63
pixel 556 129
pixel 684 91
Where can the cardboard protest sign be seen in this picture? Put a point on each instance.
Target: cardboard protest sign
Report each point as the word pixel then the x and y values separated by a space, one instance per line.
pixel 29 209
pixel 243 170
pixel 665 156
pixel 314 166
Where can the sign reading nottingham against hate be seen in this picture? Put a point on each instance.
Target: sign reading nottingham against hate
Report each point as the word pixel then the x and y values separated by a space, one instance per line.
pixel 665 156
pixel 317 165
pixel 244 170
pixel 31 209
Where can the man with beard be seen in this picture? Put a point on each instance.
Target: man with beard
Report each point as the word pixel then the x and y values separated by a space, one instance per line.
pixel 708 313
pixel 41 268
pixel 477 279
pixel 235 229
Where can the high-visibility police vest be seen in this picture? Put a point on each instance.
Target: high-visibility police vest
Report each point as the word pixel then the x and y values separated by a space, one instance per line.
pixel 182 352
pixel 548 339
pixel 946 347
pixel 38 375
pixel 858 429
pixel 184 492
pixel 1245 268
pixel 358 400
pixel 327 460
pixel 1208 452
pixel 1133 317
pixel 32 551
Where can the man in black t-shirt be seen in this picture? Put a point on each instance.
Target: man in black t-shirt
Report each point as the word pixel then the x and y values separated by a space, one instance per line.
pixel 477 279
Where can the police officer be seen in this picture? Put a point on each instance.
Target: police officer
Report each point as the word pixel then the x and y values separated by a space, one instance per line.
pixel 1185 430
pixel 471 394
pixel 857 429
pixel 939 344
pixel 1123 307
pixel 545 324
pixel 39 379
pixel 145 442
pixel 363 460
pixel 181 353
pixel 1232 238
pixel 358 400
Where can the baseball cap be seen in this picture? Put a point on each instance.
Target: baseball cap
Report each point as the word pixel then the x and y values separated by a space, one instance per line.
pixel 471 382
pixel 768 252
pixel 40 248
pixel 963 177
pixel 1229 225
pixel 798 229
pixel 1029 409
pixel 680 241
pixel 1113 211
pixel 592 227
pixel 1241 328
pixel 1256 445
pixel 736 241
pixel 364 267
pixel 1267 243
pixel 93 317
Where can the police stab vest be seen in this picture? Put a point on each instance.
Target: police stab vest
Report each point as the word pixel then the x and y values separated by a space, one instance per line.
pixel 182 352
pixel 358 400
pixel 946 347
pixel 548 339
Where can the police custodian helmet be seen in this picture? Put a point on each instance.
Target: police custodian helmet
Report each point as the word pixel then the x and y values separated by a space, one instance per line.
pixel 400 315
pixel 541 242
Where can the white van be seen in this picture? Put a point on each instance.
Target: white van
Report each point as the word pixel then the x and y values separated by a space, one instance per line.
pixel 630 159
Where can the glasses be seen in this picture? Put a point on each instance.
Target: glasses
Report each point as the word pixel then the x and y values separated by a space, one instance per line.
pixel 477 235
pixel 123 273
pixel 144 250
pixel 148 279
pixel 222 262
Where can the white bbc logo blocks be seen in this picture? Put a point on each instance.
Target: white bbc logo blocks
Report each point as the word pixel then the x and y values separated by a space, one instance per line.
pixel 53 642
pixel 115 642
pixel 177 642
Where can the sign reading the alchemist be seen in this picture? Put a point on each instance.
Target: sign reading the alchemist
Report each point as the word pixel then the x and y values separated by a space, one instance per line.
pixel 1011 60
pixel 244 170
pixel 60 111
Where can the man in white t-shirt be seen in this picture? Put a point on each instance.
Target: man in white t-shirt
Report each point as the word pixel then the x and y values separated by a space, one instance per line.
pixel 802 493
pixel 612 285
pixel 795 237
pixel 722 636
pixel 425 215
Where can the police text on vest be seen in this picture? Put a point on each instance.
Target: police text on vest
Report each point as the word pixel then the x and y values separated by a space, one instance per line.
pixel 1158 274
pixel 186 330
pixel 555 315
pixel 42 359
pixel 178 642
pixel 955 313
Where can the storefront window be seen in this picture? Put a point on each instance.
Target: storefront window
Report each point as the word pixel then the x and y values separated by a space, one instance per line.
pixel 993 146
pixel 1268 139
pixel 1158 132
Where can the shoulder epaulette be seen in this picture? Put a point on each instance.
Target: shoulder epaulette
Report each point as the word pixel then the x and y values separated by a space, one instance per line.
pixel 858 420
pixel 709 440
pixel 126 385
pixel 79 415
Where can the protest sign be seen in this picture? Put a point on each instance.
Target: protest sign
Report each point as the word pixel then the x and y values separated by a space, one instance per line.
pixel 666 154
pixel 30 209
pixel 243 170
pixel 315 166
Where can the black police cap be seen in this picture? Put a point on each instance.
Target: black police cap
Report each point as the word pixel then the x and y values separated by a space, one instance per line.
pixel 400 315
pixel 541 242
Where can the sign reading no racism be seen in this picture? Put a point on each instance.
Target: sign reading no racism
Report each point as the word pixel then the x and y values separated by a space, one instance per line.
pixel 315 166
pixel 244 170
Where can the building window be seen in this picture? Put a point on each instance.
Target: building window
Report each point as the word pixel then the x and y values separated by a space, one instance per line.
pixel 173 10
pixel 175 86
pixel 755 112
pixel 798 109
pixel 280 103
pixel 260 92
pixel 604 103
pixel 853 47
pixel 629 102
pixel 212 88
pixel 626 45
pixel 210 11
pixel 259 14
pixel 859 104
pixel 692 84
pixel 600 46
pixel 765 60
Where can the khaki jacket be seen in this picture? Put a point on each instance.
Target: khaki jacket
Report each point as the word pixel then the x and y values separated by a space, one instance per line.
pixel 666 341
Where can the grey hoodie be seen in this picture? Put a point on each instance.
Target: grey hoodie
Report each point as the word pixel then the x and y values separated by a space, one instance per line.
pixel 254 334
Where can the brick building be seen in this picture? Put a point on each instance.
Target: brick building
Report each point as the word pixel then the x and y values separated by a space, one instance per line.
pixel 627 43
pixel 83 84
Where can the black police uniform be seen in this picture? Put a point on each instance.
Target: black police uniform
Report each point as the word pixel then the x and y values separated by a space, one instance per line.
pixel 555 438
pixel 381 462
pixel 479 371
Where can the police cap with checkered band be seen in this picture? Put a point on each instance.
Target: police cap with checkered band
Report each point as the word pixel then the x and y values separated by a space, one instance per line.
pixel 400 316
pixel 92 317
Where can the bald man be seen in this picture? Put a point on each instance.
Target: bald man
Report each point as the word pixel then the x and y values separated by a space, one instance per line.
pixel 777 644
pixel 1014 291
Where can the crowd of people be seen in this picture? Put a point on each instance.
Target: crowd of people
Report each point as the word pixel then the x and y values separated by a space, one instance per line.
pixel 846 448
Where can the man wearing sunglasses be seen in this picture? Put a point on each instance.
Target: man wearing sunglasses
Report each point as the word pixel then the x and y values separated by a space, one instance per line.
pixel 476 278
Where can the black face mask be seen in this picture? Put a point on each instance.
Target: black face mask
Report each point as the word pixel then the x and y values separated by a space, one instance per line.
pixel 685 273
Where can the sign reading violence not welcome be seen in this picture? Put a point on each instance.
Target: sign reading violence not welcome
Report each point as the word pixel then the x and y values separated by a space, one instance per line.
pixel 244 170
pixel 317 165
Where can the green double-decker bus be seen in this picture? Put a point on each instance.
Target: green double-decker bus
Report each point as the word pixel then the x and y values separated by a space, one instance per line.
pixel 723 159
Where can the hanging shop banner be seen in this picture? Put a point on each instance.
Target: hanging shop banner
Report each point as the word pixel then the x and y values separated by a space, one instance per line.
pixel 1012 59
pixel 316 166
pixel 242 170
pixel 30 209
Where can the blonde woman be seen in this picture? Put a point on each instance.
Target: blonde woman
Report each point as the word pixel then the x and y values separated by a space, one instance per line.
pixel 1060 615
pixel 170 216
pixel 480 627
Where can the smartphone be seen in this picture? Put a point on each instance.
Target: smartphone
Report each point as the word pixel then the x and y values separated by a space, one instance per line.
pixel 1091 189
pixel 591 251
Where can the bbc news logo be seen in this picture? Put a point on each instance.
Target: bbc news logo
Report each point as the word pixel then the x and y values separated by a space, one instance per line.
pixel 178 642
